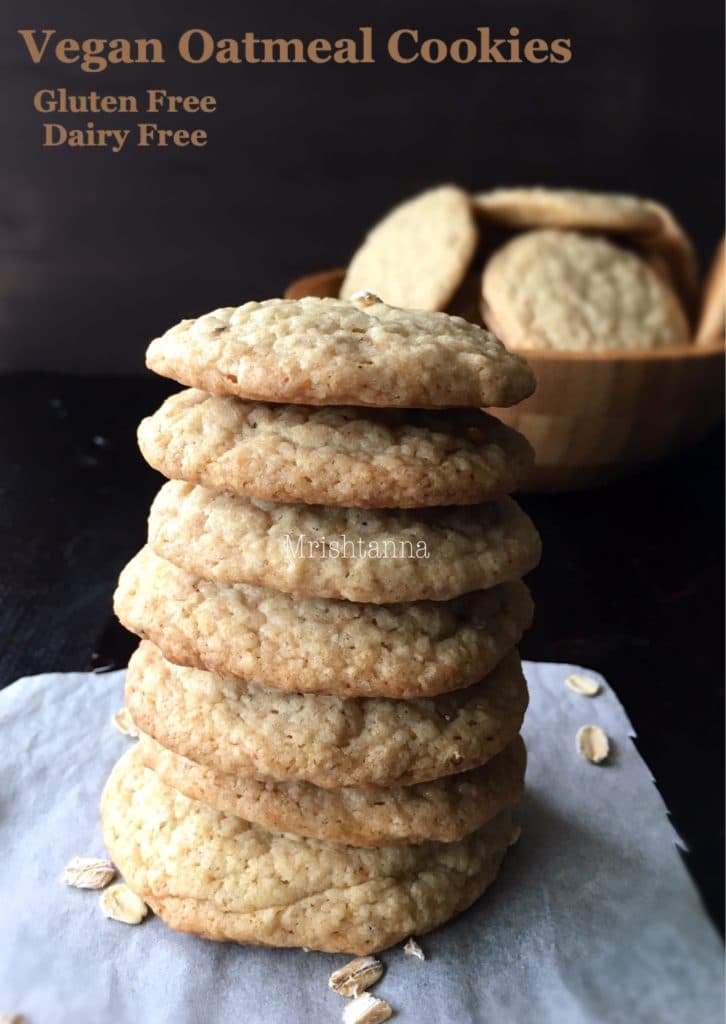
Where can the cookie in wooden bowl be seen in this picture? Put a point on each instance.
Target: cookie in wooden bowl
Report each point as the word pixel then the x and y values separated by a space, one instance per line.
pixel 419 253
pixel 712 321
pixel 568 208
pixel 563 290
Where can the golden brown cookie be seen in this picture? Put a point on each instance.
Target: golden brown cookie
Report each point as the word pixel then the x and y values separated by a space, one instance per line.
pixel 319 645
pixel 221 877
pixel 418 254
pixel 359 555
pixel 324 351
pixel 569 208
pixel 712 322
pixel 246 731
pixel 383 458
pixel 670 248
pixel 571 292
pixel 443 810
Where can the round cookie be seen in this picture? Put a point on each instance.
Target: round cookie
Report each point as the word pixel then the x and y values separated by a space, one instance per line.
pixel 223 878
pixel 358 555
pixel 670 248
pixel 334 456
pixel 324 351
pixel 418 254
pixel 244 730
pixel 571 292
pixel 319 645
pixel 443 810
pixel 577 209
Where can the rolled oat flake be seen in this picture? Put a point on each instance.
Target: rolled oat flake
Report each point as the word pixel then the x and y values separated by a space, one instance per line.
pixel 593 744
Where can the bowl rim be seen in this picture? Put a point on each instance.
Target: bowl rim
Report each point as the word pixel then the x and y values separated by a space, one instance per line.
pixel 646 355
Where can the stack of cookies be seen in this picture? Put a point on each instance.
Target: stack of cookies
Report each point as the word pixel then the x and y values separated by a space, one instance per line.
pixel 327 690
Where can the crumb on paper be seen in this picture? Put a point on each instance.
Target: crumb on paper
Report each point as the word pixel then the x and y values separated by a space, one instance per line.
pixel 412 948
pixel 123 721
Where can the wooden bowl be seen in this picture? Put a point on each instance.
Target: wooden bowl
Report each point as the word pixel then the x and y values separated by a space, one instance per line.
pixel 597 417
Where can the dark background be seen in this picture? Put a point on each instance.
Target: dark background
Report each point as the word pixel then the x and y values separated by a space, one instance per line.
pixel 100 252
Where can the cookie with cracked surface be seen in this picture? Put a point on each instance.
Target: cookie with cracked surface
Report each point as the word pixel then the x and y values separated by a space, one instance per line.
pixel 358 555
pixel 569 208
pixel 567 291
pixel 245 730
pixel 320 645
pixel 443 810
pixel 223 878
pixel 377 458
pixel 418 254
pixel 324 351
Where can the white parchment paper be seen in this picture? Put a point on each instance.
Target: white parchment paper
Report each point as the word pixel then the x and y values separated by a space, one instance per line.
pixel 594 917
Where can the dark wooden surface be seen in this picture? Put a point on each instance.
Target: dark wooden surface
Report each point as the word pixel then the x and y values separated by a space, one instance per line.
pixel 630 584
